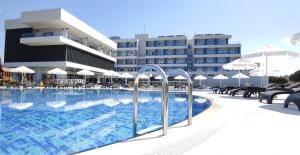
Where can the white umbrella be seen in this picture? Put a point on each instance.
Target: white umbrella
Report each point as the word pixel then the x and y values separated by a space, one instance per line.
pixel 269 52
pixel 126 76
pixel 158 77
pixel 220 77
pixel 240 64
pixel 23 70
pixel 85 73
pixel 240 76
pixel 111 73
pixel 200 77
pixel 144 76
pixel 179 77
pixel 57 71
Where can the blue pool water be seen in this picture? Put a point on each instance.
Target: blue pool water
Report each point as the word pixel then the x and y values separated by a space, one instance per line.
pixel 53 121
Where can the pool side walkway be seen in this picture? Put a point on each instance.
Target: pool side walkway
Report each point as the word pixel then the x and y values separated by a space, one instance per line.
pixel 232 125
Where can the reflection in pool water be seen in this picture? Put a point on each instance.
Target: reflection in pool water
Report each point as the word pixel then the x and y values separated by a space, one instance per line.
pixel 53 121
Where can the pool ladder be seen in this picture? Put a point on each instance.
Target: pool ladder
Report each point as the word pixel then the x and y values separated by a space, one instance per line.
pixel 165 94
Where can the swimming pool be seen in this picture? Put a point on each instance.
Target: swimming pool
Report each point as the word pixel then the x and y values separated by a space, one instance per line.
pixel 50 121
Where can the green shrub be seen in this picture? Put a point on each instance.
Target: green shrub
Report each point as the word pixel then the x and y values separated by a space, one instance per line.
pixel 295 77
pixel 278 80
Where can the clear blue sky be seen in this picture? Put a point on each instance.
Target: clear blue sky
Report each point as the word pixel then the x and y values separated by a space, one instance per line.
pixel 254 23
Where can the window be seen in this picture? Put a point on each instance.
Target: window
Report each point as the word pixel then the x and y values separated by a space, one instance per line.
pixel 159 43
pixel 131 61
pixel 210 60
pixel 150 61
pixel 210 41
pixel 150 43
pixel 199 51
pixel 222 60
pixel 180 61
pixel 170 61
pixel 199 41
pixel 131 44
pixel 180 42
pixel 179 52
pixel 159 52
pixel 131 53
pixel 121 53
pixel 210 69
pixel 160 61
pixel 121 61
pixel 222 51
pixel 221 41
pixel 150 52
pixel 169 43
pixel 169 52
pixel 233 51
pixel 122 45
pixel 211 51
pixel 200 60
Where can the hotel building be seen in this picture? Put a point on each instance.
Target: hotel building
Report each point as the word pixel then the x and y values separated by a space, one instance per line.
pixel 46 39
pixel 203 54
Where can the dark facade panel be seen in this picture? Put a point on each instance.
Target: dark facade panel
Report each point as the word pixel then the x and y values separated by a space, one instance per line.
pixel 82 57
pixel 17 52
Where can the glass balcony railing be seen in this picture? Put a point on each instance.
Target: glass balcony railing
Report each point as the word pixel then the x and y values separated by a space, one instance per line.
pixel 68 36
pixel 41 34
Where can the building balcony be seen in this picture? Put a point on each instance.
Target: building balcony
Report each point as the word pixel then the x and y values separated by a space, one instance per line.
pixel 170 65
pixel 125 65
pixel 208 64
pixel 126 57
pixel 127 48
pixel 166 47
pixel 217 46
pixel 166 56
pixel 215 55
pixel 57 38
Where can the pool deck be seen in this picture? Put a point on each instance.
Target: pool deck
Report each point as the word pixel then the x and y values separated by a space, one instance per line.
pixel 232 125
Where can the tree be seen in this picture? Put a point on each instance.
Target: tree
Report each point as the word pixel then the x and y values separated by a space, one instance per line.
pixel 278 80
pixel 295 77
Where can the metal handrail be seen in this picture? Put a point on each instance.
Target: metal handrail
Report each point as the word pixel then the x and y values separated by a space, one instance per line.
pixel 165 91
pixel 190 90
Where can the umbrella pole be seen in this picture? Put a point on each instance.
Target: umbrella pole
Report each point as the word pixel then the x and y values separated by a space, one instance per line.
pixel 267 78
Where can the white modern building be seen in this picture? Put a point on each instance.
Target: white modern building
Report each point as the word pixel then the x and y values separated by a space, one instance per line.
pixel 47 39
pixel 203 54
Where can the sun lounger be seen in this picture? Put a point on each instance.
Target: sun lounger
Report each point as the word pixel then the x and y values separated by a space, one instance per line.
pixel 225 90
pixel 216 90
pixel 235 91
pixel 258 90
pixel 294 98
pixel 269 95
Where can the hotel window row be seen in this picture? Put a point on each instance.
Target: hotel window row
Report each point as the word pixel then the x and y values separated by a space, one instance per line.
pixel 232 50
pixel 161 43
pixel 166 52
pixel 178 52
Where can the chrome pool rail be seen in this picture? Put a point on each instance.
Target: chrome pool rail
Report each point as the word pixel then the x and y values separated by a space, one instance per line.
pixel 165 95
pixel 190 90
